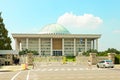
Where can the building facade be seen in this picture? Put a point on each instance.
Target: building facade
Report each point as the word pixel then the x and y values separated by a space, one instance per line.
pixel 56 40
pixel 7 57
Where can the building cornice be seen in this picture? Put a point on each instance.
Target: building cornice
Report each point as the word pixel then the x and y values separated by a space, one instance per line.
pixel 19 35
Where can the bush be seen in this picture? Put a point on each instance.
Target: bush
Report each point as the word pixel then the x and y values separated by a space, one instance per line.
pixel 89 51
pixel 102 54
pixel 24 52
pixel 117 59
pixel 70 58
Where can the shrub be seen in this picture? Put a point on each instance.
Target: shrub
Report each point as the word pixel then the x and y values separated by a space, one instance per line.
pixel 102 54
pixel 117 59
pixel 70 58
pixel 24 52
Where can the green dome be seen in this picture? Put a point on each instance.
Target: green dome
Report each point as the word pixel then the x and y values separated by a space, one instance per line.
pixel 54 29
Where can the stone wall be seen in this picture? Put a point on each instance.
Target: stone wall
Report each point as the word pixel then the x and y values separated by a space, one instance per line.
pixel 79 59
pixel 94 59
pixel 111 56
pixel 29 58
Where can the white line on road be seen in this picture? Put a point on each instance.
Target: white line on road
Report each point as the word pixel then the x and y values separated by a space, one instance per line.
pixel 75 69
pixel 50 69
pixel 80 68
pixel 62 69
pixel 27 78
pixel 56 70
pixel 68 69
pixel 44 69
pixel 13 78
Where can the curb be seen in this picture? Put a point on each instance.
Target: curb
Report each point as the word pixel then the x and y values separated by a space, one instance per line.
pixel 5 70
pixel 117 66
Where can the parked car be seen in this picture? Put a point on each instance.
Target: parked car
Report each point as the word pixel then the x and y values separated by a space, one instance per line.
pixel 105 64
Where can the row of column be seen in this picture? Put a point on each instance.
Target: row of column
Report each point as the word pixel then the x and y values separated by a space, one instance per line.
pixel 93 46
pixel 39 46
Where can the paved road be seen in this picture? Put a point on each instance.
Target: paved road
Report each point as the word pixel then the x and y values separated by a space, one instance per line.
pixel 62 72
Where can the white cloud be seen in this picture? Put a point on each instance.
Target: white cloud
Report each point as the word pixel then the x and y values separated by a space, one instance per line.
pixel 86 21
pixel 116 31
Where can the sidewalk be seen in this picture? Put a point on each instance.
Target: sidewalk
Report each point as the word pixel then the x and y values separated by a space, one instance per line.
pixel 117 66
pixel 12 68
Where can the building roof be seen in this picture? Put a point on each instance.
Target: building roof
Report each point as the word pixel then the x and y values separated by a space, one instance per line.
pixel 8 52
pixel 54 29
pixel 92 36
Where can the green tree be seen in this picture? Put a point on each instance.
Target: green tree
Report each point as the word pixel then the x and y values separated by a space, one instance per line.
pixel 90 51
pixel 24 52
pixel 5 41
pixel 112 50
pixel 103 53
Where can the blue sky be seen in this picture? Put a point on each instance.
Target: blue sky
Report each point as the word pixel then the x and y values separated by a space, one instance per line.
pixel 78 16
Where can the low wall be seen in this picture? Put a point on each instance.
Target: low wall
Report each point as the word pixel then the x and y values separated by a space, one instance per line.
pixel 94 59
pixel 79 59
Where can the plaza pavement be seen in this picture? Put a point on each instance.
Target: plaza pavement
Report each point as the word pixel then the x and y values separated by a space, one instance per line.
pixel 20 67
pixel 56 71
pixel 11 68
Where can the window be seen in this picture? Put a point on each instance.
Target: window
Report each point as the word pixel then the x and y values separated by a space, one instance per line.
pixel 57 53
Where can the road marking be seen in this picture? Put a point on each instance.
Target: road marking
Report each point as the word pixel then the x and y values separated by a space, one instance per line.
pixel 75 69
pixel 94 69
pixel 13 78
pixel 68 69
pixel 50 69
pixel 56 70
pixel 80 68
pixel 43 69
pixel 87 68
pixel 62 69
pixel 27 78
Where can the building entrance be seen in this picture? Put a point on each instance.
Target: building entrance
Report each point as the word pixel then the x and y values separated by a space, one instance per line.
pixel 57 53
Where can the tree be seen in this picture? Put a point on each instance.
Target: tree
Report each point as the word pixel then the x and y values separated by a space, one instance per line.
pixel 25 51
pixel 90 51
pixel 5 41
pixel 112 50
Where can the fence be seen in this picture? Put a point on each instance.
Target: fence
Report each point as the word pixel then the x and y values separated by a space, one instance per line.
pixel 78 60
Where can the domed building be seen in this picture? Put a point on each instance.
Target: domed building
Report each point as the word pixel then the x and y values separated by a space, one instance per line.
pixel 56 40
pixel 54 29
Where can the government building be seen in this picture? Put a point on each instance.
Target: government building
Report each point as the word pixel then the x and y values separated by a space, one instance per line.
pixel 56 40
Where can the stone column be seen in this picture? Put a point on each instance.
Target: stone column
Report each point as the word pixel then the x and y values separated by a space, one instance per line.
pixel 111 56
pixel 74 47
pixel 39 46
pixel 51 40
pixel 26 43
pixel 93 44
pixel 29 60
pixel 63 47
pixel 20 46
pixel 93 58
pixel 16 44
pixel 96 44
pixel 85 44
pixel 9 59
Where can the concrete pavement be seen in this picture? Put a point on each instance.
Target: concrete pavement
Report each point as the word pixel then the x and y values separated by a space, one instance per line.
pixel 60 72
pixel 20 67
pixel 13 68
